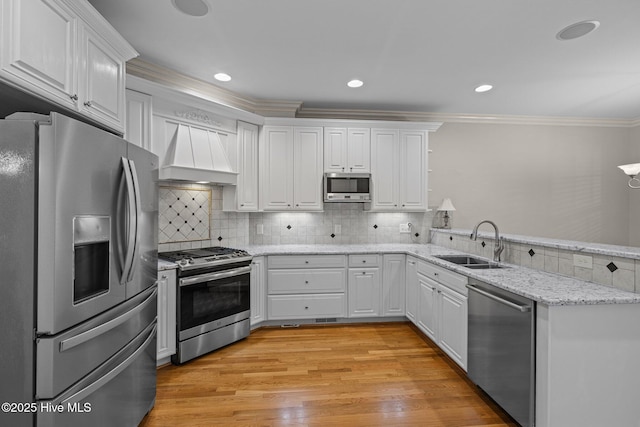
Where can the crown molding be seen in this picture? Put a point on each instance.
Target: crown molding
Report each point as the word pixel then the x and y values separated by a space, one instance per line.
pixel 461 118
pixel 209 92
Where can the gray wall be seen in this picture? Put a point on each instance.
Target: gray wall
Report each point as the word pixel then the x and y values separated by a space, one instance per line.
pixel 539 180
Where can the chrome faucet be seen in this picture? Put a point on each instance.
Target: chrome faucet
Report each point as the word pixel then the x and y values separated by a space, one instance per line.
pixel 499 247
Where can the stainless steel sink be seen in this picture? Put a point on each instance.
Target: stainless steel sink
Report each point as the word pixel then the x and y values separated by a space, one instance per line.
pixel 469 261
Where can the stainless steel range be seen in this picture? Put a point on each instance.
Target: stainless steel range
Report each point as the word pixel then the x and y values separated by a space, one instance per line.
pixel 212 300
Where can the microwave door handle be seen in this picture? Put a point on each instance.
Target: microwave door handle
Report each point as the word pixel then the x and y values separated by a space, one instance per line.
pixel 138 214
pixel 131 222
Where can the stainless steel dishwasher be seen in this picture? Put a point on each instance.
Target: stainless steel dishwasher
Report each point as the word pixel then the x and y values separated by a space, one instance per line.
pixel 501 348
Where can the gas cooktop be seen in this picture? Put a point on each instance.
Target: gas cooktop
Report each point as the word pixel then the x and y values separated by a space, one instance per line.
pixel 190 259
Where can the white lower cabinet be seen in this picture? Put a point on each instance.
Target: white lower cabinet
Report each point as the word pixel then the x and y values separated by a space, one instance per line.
pixel 411 288
pixel 393 285
pixel 166 336
pixel 364 292
pixel 442 309
pixel 306 287
pixel 257 290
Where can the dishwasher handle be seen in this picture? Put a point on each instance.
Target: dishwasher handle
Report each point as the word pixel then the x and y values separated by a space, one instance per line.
pixel 521 308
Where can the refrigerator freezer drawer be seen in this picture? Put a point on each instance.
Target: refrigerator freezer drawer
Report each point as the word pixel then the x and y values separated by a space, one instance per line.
pixel 64 359
pixel 120 393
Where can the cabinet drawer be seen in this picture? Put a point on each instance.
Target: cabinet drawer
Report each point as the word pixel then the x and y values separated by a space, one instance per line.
pixel 306 261
pixel 306 306
pixel 370 260
pixel 453 280
pixel 306 281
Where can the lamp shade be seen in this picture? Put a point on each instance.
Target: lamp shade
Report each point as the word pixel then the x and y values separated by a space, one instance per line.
pixel 446 205
pixel 632 169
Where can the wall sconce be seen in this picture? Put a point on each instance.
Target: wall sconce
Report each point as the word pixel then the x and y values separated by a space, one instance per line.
pixel 446 206
pixel 632 170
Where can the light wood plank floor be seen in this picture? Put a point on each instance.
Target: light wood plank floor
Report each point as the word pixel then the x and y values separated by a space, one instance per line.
pixel 355 375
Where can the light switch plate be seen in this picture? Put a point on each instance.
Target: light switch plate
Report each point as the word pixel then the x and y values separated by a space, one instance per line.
pixel 260 229
pixel 337 228
pixel 584 261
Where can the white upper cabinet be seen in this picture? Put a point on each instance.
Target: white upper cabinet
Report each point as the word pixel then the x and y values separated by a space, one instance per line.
pixel 244 195
pixel 39 48
pixel 399 170
pixel 65 52
pixel 139 116
pixel 347 150
pixel 101 79
pixel 291 168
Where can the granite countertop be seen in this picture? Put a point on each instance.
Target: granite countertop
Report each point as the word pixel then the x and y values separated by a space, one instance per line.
pixel 546 288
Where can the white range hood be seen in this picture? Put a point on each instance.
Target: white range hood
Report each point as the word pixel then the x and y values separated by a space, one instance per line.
pixel 197 155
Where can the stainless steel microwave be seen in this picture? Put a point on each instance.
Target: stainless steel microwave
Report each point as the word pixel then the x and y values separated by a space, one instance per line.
pixel 347 187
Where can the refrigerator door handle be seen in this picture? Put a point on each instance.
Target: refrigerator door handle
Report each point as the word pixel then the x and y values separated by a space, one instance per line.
pixel 138 214
pixel 103 328
pixel 132 223
pixel 80 391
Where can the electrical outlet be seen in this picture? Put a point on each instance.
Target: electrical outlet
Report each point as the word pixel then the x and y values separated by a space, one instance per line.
pixel 584 261
pixel 337 229
pixel 260 229
pixel 404 228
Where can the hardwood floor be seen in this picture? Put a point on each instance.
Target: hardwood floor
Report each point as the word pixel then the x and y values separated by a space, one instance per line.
pixel 354 375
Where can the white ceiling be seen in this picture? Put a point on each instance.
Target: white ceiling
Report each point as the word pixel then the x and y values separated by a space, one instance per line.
pixel 413 55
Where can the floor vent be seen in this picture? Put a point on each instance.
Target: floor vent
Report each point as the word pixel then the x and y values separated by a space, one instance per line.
pixel 327 320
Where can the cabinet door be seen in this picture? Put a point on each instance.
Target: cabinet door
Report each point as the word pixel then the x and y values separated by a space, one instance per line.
pixel 39 49
pixel 359 150
pixel 247 188
pixel 257 297
pixel 452 336
pixel 307 165
pixel 276 160
pixel 413 170
pixel 166 345
pixel 393 285
pixel 384 169
pixel 364 292
pixel 411 289
pixel 427 306
pixel 335 149
pixel 101 80
pixel 138 119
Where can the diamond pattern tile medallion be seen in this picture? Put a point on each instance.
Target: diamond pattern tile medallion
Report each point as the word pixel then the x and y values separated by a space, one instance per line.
pixel 184 214
pixel 612 267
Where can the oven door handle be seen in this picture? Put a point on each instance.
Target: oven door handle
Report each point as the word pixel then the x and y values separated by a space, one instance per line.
pixel 214 276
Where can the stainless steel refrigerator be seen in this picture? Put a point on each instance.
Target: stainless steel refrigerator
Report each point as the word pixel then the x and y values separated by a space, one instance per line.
pixel 78 265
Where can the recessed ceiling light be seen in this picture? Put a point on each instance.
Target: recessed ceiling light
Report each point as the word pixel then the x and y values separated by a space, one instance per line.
pixel 223 77
pixel 191 7
pixel 576 30
pixel 483 88
pixel 355 83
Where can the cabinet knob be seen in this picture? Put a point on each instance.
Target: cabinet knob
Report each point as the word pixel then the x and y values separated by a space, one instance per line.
pixel 241 204
pixel 74 97
pixel 306 308
pixel 306 262
pixel 342 169
pixel 297 205
pixel 364 272
pixel 87 104
pixel 306 282
pixel 395 206
pixel 435 274
pixel 289 205
pixel 403 206
pixel 164 276
pixel 364 261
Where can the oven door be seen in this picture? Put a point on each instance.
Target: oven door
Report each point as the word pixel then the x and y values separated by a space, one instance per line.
pixel 213 300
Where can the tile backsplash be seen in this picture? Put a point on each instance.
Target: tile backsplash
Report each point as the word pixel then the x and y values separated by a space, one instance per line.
pixel 339 223
pixel 608 265
pixel 222 228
